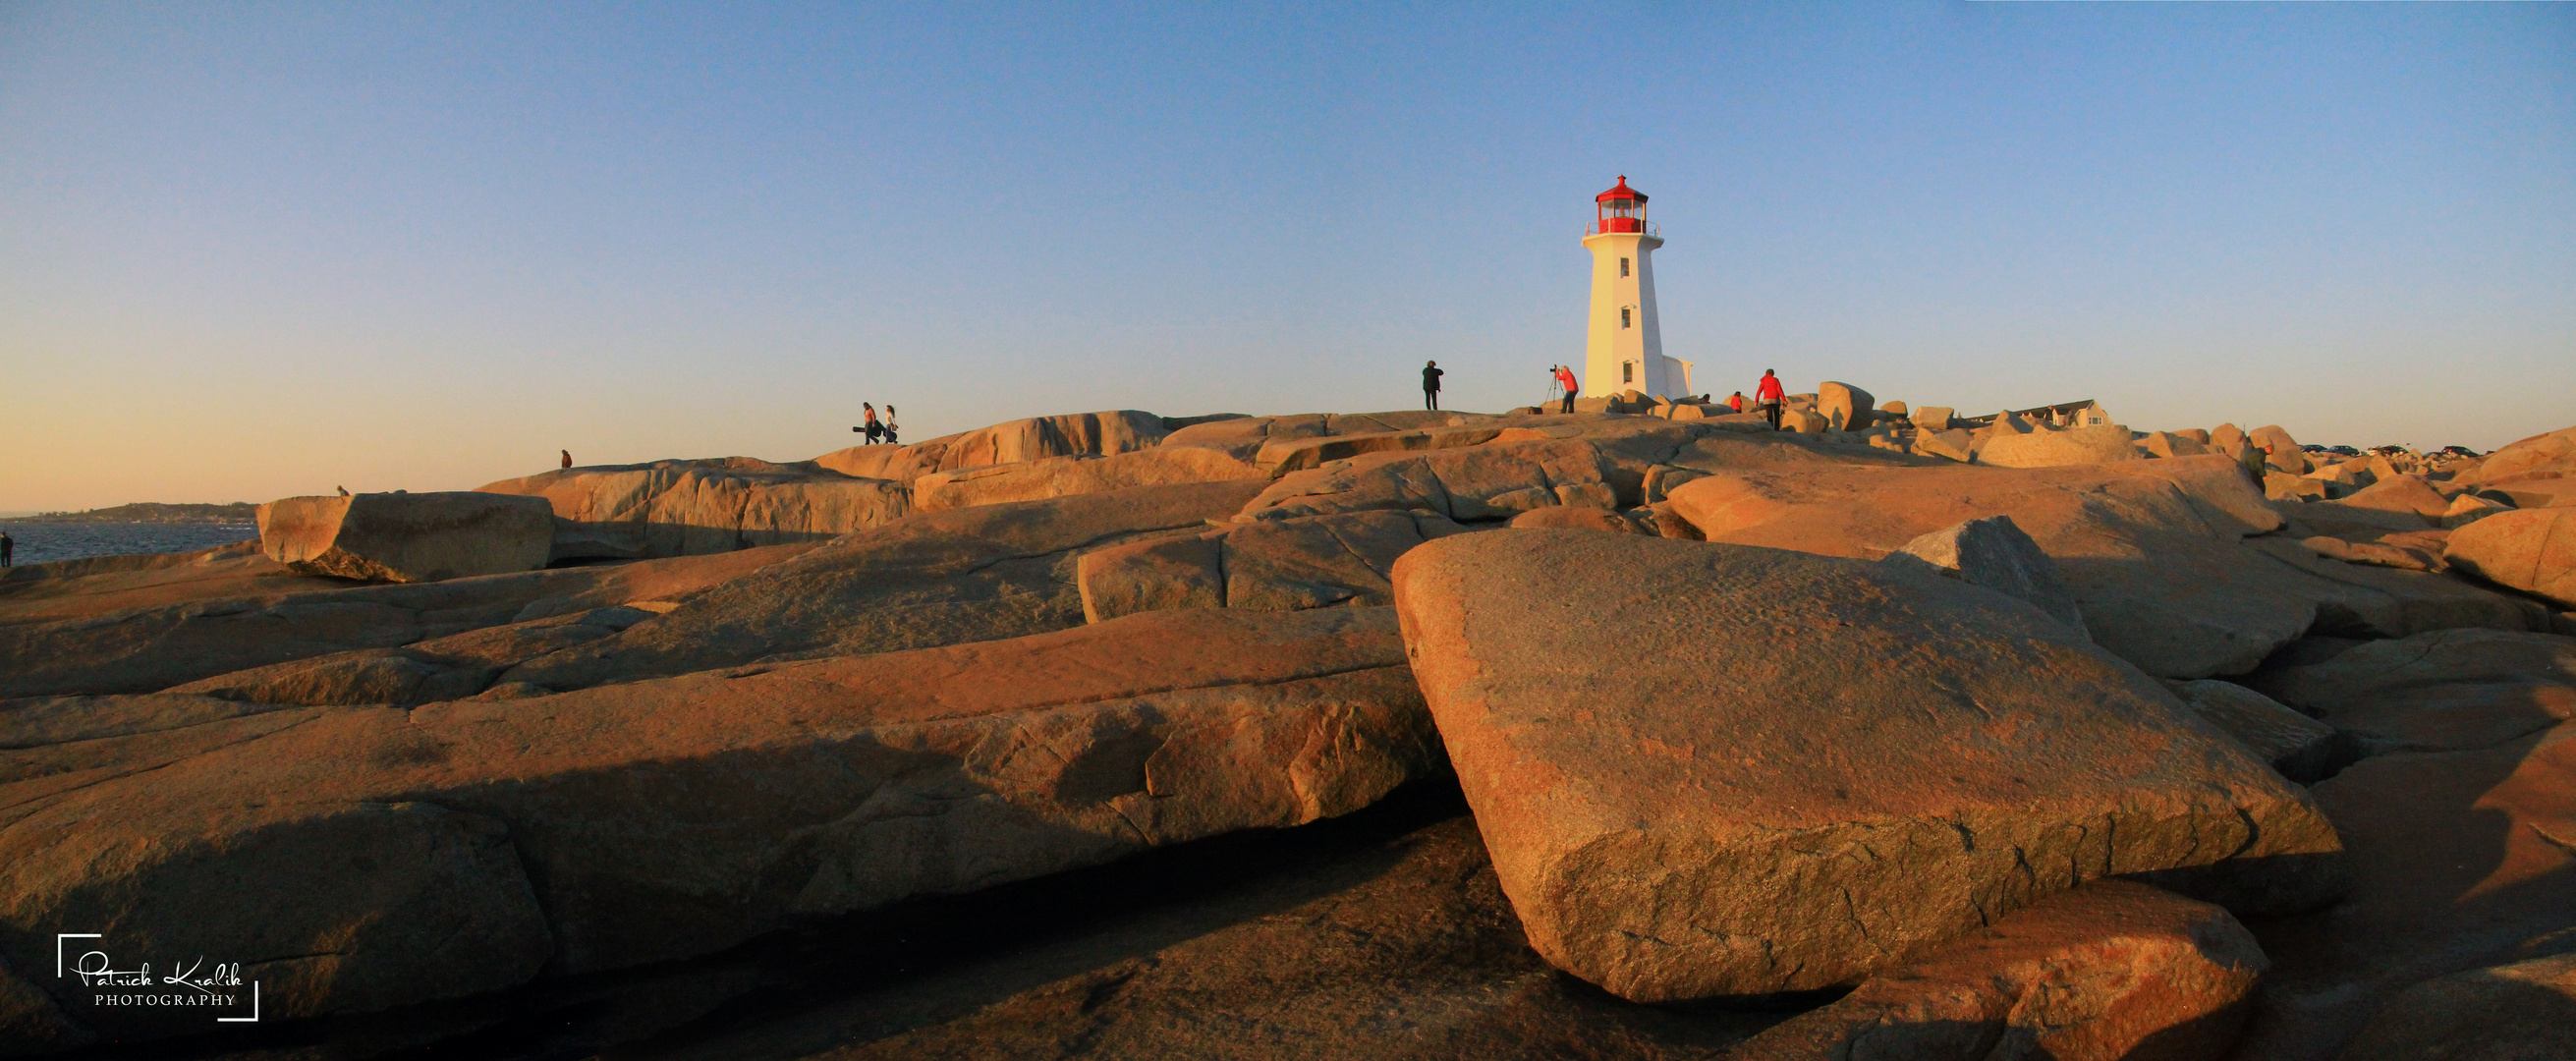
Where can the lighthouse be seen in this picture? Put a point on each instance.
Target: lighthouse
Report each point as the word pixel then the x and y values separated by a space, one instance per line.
pixel 1624 344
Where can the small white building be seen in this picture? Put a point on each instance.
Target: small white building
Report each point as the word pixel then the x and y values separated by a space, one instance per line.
pixel 1624 344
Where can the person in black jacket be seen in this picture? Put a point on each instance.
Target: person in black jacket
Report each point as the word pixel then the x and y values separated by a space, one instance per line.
pixel 1431 384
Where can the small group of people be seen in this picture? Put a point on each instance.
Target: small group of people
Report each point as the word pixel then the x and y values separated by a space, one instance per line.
pixel 876 430
pixel 1768 395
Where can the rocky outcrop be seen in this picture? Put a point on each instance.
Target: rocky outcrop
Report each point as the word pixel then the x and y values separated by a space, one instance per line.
pixel 1798 701
pixel 2460 860
pixel 2533 550
pixel 1011 442
pixel 695 507
pixel 1341 559
pixel 2545 456
pixel 935 578
pixel 2026 445
pixel 1065 476
pixel 457 847
pixel 2149 548
pixel 445 668
pixel 2105 972
pixel 405 537
pixel 2156 551
pixel 140 632
pixel 2447 690
pixel 1490 482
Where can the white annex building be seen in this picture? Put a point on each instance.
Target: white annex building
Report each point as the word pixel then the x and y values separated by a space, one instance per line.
pixel 1625 347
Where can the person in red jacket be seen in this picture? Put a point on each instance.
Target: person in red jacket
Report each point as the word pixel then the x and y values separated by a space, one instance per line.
pixel 1735 401
pixel 1565 380
pixel 1768 393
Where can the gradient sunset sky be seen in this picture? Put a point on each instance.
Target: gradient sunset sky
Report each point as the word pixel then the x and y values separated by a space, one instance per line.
pixel 253 250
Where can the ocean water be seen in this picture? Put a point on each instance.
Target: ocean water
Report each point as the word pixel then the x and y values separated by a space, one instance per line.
pixel 40 543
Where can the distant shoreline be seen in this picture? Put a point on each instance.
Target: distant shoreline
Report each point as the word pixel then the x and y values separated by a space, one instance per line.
pixel 147 512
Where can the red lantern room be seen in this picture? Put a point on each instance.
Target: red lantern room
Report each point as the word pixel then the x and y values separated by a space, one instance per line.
pixel 1621 209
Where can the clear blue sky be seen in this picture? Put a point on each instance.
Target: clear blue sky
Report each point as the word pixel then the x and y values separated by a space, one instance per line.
pixel 251 250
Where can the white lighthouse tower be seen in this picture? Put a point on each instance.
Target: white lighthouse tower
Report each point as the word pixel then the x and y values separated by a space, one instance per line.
pixel 1624 349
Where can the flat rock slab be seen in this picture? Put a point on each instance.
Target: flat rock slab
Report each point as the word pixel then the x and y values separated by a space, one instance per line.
pixel 662 819
pixel 2445 690
pixel 1725 770
pixel 407 537
pixel 2109 971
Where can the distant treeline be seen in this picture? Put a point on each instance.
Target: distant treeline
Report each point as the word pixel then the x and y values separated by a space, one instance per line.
pixel 156 512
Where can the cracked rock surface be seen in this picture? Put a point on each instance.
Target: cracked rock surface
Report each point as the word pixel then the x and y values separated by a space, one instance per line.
pixel 462 846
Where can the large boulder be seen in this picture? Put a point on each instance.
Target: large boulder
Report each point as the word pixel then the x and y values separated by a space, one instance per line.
pixel 1063 476
pixel 2524 1011
pixel 1720 770
pixel 407 537
pixel 2105 972
pixel 2400 493
pixel 1845 407
pixel 933 578
pixel 2533 550
pixel 695 507
pixel 458 847
pixel 1993 553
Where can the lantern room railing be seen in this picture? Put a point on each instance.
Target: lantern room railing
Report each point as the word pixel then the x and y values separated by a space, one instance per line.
pixel 1613 226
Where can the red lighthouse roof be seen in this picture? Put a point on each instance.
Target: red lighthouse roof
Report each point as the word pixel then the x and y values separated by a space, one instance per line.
pixel 1620 192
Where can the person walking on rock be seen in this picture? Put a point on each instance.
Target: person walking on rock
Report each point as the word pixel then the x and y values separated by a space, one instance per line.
pixel 1431 384
pixel 567 458
pixel 8 547
pixel 874 430
pixel 1768 393
pixel 889 427
pixel 1565 380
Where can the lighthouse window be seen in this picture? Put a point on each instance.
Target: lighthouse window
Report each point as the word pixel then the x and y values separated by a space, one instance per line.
pixel 1623 266
pixel 1627 372
pixel 1624 318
